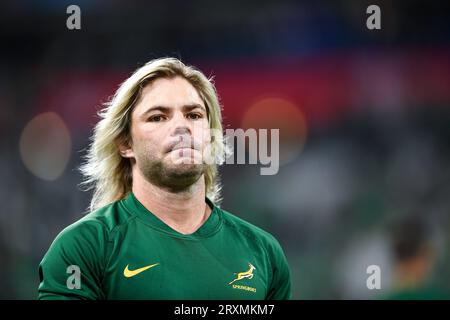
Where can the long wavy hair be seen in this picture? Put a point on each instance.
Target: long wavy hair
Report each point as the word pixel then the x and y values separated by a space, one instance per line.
pixel 106 171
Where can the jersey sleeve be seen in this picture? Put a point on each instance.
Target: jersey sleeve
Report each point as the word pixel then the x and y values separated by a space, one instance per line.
pixel 73 266
pixel 280 288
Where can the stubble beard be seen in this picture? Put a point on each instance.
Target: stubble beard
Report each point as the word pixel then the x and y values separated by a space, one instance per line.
pixel 170 176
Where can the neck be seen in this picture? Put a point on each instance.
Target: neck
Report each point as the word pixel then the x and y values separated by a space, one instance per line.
pixel 184 211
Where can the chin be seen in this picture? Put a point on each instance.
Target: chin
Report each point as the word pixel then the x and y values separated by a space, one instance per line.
pixel 179 177
pixel 186 168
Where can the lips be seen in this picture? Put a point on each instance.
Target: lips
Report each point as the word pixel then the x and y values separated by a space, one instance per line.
pixel 182 147
pixel 182 143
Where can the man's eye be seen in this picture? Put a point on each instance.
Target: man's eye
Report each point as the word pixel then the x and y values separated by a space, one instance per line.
pixel 156 118
pixel 195 116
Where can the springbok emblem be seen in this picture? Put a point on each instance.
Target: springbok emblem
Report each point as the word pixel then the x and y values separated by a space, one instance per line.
pixel 244 275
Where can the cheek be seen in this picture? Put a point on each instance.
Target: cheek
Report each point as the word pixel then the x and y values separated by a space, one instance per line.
pixel 202 133
pixel 147 141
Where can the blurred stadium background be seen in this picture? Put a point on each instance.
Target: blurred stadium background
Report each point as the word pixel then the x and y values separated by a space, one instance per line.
pixel 364 119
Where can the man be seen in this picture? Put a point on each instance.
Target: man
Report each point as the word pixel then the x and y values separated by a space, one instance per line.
pixel 154 230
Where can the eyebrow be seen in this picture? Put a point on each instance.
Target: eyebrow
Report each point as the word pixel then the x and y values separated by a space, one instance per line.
pixel 186 107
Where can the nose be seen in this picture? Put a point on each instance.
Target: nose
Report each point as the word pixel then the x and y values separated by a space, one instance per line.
pixel 181 125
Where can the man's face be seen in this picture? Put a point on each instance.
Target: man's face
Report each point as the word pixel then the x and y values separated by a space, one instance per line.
pixel 169 130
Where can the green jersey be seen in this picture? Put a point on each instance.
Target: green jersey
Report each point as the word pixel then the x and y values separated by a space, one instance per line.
pixel 123 251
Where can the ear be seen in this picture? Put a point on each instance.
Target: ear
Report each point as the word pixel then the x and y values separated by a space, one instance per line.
pixel 125 149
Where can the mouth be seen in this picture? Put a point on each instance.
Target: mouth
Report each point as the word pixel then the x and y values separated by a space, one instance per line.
pixel 182 144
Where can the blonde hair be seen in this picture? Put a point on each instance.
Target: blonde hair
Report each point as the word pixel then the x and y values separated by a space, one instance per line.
pixel 106 171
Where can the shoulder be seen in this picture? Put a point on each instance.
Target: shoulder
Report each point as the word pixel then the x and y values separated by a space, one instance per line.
pixel 86 241
pixel 95 226
pixel 83 244
pixel 250 230
pixel 259 239
pixel 264 242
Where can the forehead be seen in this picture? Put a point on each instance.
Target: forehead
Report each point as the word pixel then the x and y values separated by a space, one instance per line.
pixel 171 92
